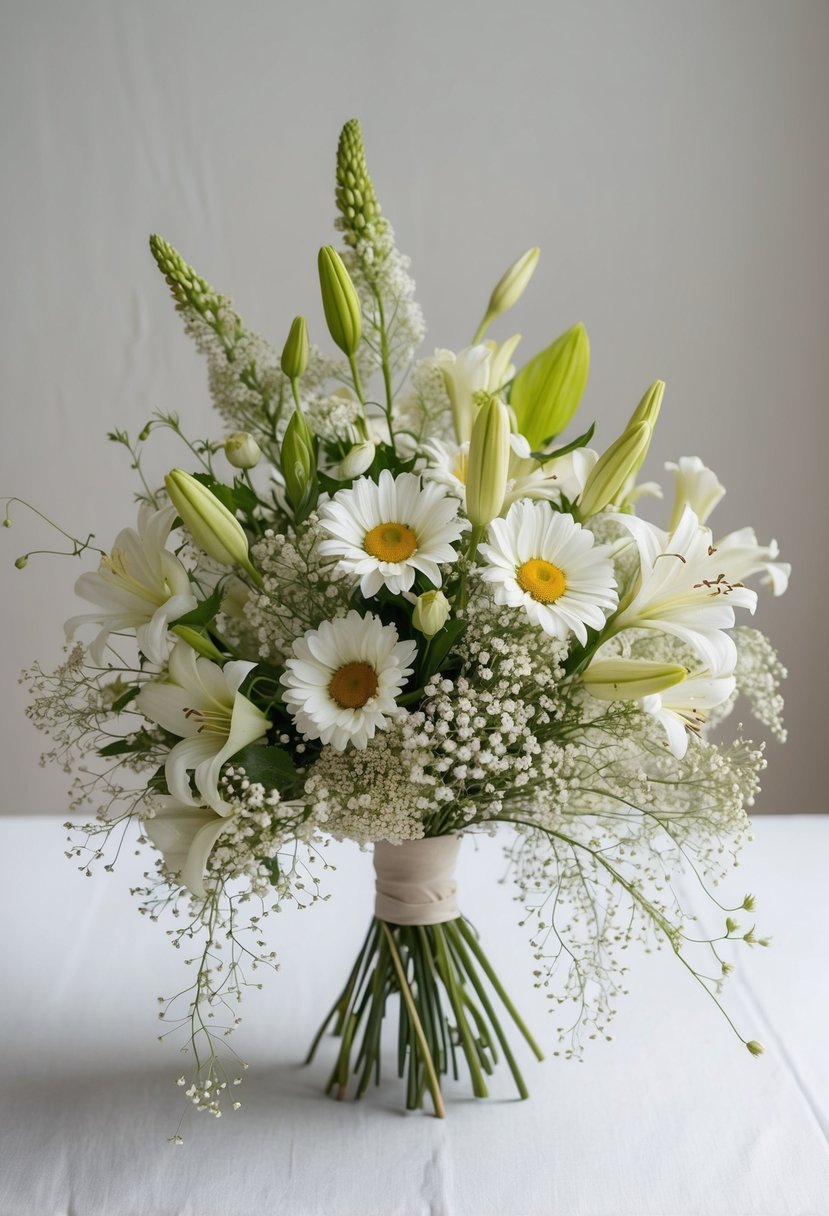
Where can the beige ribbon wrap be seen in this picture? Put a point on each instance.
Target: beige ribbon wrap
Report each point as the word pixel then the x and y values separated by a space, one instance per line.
pixel 416 881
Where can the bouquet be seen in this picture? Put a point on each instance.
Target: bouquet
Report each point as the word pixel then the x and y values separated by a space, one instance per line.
pixel 399 603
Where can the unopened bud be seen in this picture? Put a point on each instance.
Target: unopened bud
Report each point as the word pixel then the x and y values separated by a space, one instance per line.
pixel 299 463
pixel 648 408
pixel 295 351
pixel 22 562
pixel 489 451
pixel 431 612
pixel 610 473
pixel 512 284
pixel 242 450
pixel 630 679
pixel 755 1048
pixel 355 462
pixel 340 301
pixel 211 525
pixel 199 642
pixel 546 392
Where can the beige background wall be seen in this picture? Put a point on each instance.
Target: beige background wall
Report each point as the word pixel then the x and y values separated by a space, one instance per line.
pixel 670 158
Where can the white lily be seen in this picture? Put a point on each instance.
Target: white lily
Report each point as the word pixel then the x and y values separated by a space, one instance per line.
pixel 202 704
pixel 699 487
pixel 527 477
pixel 185 835
pixel 482 368
pixel 744 556
pixel 684 588
pixel 695 486
pixel 140 585
pixel 683 708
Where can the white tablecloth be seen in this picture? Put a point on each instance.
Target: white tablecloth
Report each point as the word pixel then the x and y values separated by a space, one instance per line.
pixel 672 1118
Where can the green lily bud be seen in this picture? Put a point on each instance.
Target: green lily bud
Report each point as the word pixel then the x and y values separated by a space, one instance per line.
pixel 510 288
pixel 648 408
pixel 340 301
pixel 630 679
pixel 299 464
pixel 546 392
pixel 295 350
pixel 199 642
pixel 488 465
pixel 242 450
pixel 431 612
pixel 611 471
pixel 211 525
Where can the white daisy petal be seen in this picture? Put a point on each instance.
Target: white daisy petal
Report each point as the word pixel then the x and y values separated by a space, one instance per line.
pixel 343 680
pixel 544 562
pixel 383 532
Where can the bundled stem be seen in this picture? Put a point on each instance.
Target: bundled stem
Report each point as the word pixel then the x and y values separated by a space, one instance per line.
pixel 446 986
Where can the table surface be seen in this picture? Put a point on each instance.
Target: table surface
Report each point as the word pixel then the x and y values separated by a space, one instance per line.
pixel 673 1117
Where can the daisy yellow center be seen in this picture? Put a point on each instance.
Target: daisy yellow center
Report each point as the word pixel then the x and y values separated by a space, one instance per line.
pixel 390 542
pixel 542 580
pixel 353 685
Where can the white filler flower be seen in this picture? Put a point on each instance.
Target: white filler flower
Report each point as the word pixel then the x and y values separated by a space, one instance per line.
pixel 140 585
pixel 343 680
pixel 202 704
pixel 386 532
pixel 544 562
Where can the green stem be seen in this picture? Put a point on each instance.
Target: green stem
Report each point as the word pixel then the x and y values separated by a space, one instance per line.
pixel 486 967
pixel 406 994
pixel 448 977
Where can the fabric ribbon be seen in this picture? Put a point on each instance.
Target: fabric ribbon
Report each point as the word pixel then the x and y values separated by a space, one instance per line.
pixel 416 881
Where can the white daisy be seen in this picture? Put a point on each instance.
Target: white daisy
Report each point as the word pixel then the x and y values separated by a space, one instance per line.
pixel 547 564
pixel 386 532
pixel 342 683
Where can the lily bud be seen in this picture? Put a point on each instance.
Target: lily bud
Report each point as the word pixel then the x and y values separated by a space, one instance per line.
pixel 199 642
pixel 356 462
pixel 489 451
pixel 299 463
pixel 242 450
pixel 431 612
pixel 546 392
pixel 630 679
pixel 648 408
pixel 211 525
pixel 611 471
pixel 295 351
pixel 512 284
pixel 340 301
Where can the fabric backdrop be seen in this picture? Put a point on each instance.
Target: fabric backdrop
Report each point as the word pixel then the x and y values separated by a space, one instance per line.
pixel 670 159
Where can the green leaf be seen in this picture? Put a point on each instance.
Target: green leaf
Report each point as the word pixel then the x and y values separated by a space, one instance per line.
pixel 269 766
pixel 203 613
pixel 572 446
pixel 125 747
pixel 440 646
pixel 125 698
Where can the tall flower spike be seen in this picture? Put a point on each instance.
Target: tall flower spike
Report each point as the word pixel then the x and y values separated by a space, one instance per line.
pixel 356 200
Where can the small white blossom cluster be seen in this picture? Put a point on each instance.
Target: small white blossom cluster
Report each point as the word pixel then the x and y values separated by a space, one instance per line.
pixel 424 409
pixel 377 268
pixel 258 828
pixel 331 415
pixel 300 590
pixel 759 673
pixel 384 792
